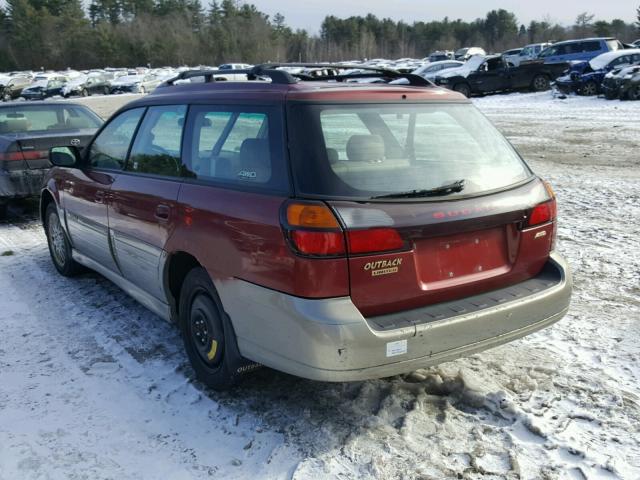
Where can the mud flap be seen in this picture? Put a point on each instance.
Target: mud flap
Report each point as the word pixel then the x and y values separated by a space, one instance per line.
pixel 237 365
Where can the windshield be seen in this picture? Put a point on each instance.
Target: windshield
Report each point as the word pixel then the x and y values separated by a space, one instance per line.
pixel 366 151
pixel 33 118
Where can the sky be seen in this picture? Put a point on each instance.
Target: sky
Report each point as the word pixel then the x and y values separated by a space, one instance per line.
pixel 308 14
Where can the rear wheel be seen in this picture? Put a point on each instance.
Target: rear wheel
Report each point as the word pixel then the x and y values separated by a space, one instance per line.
pixel 540 83
pixel 59 246
pixel 589 89
pixel 205 337
pixel 463 88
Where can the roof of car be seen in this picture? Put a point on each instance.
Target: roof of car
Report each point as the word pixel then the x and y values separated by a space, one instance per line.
pixel 584 40
pixel 265 92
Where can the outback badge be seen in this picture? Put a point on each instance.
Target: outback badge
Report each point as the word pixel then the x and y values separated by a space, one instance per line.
pixel 383 267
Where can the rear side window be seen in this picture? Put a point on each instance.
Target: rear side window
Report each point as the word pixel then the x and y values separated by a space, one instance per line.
pixel 156 149
pixel 109 149
pixel 238 146
pixel 589 46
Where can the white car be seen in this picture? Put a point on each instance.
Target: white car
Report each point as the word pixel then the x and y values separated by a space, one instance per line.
pixel 232 77
pixel 528 53
pixel 464 54
pixel 431 70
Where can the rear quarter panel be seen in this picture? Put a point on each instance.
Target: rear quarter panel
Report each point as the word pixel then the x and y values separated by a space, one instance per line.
pixel 236 234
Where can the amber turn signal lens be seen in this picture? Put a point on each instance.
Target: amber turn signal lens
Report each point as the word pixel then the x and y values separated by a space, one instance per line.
pixel 311 216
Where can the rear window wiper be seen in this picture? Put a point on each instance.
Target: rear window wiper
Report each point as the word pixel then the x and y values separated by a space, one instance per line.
pixel 441 191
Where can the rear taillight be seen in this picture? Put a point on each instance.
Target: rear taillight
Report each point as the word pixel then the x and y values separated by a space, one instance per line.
pixel 374 240
pixel 21 155
pixel 546 212
pixel 313 229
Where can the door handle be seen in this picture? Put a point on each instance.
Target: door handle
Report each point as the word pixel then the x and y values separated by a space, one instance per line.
pixel 163 212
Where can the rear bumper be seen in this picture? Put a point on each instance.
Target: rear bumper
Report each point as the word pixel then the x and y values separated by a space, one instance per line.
pixel 21 183
pixel 329 340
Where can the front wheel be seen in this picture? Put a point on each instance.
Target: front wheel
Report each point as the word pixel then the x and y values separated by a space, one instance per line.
pixel 59 245
pixel 540 83
pixel 589 89
pixel 634 93
pixel 463 89
pixel 205 337
pixel 6 97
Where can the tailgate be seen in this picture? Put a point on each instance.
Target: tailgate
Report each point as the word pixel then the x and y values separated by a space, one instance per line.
pixel 452 249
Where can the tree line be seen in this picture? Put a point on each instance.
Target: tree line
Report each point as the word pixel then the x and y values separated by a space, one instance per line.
pixel 56 34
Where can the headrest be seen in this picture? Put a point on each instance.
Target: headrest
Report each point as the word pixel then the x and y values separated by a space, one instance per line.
pixel 332 155
pixel 77 122
pixel 365 148
pixel 254 160
pixel 15 125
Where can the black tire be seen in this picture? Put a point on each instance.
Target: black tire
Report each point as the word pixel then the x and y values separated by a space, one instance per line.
pixel 6 97
pixel 634 93
pixel 207 334
pixel 3 210
pixel 106 91
pixel 462 88
pixel 589 89
pixel 84 92
pixel 59 245
pixel 540 83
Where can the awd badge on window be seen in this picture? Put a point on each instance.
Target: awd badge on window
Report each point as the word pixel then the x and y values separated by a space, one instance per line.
pixel 383 267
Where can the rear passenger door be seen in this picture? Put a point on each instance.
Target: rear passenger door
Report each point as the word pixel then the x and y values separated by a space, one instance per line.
pixel 142 210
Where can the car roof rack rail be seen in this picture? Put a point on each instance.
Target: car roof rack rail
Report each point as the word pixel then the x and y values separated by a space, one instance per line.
pixel 278 74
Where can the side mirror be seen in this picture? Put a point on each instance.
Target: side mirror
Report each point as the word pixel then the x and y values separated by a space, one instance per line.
pixel 64 156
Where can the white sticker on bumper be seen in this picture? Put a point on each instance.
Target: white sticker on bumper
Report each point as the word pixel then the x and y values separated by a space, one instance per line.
pixel 396 348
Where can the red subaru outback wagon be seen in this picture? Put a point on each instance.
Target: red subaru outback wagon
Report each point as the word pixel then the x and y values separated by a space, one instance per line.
pixel 329 229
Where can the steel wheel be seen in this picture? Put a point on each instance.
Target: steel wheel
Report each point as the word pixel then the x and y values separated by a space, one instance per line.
pixel 205 329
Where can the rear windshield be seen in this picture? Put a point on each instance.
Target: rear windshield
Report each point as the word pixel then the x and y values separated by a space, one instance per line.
pixel 34 118
pixel 365 151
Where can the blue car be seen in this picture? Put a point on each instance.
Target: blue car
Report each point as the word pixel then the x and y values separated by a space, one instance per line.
pixel 585 78
pixel 579 50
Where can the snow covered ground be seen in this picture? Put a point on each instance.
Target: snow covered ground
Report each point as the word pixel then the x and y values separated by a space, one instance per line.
pixel 92 385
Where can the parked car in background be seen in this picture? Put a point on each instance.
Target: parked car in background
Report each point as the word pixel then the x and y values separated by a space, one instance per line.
pixel 136 83
pixel 289 224
pixel 622 83
pixel 27 131
pixel 90 84
pixel 464 54
pixel 11 87
pixel 511 55
pixel 440 56
pixel 232 77
pixel 431 70
pixel 40 89
pixel 579 50
pixel 585 78
pixel 480 75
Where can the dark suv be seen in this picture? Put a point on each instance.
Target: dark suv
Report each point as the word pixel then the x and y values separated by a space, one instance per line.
pixel 332 230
